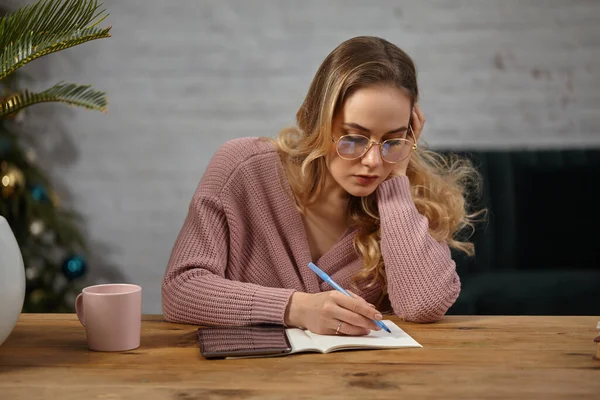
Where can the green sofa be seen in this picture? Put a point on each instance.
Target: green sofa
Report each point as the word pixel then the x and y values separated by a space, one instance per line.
pixel 538 253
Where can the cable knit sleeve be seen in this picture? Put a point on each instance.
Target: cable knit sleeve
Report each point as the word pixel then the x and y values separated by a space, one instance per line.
pixel 421 275
pixel 194 288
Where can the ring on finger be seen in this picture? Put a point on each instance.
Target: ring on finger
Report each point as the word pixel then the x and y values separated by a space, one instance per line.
pixel 337 331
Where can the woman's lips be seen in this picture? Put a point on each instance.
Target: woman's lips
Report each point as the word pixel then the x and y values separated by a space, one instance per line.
pixel 365 179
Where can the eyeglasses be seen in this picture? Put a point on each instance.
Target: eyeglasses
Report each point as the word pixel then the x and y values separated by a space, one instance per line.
pixel 351 147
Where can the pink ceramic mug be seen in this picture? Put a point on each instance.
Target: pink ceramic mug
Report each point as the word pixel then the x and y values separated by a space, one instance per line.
pixel 111 315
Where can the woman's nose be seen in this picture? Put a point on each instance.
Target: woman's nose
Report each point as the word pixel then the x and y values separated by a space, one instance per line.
pixel 372 157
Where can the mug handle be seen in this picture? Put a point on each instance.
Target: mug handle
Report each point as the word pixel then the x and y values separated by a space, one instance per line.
pixel 79 308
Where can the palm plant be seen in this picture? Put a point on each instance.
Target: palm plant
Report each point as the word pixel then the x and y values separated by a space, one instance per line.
pixel 43 28
pixel 54 251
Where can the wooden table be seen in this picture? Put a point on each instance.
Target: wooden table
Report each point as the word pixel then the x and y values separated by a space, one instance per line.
pixel 463 357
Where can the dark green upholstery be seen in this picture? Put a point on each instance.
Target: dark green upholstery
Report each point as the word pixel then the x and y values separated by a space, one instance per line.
pixel 539 252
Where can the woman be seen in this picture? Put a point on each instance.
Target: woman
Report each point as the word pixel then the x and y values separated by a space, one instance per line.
pixel 348 189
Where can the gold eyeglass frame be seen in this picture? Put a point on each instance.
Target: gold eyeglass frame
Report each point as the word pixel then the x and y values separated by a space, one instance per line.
pixel 372 142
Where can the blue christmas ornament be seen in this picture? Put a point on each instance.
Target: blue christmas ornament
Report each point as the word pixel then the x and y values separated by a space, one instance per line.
pixel 74 267
pixel 39 193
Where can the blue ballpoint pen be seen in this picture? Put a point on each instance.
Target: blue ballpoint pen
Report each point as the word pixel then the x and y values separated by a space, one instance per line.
pixel 337 287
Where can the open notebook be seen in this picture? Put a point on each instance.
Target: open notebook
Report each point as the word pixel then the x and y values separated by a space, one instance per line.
pixel 303 341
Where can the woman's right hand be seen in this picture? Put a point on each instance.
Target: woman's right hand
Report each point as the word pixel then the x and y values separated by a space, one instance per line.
pixel 322 313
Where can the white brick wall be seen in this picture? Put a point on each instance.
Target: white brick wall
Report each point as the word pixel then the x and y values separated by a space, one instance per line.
pixel 185 76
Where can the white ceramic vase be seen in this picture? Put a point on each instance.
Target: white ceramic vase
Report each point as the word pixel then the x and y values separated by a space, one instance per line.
pixel 12 280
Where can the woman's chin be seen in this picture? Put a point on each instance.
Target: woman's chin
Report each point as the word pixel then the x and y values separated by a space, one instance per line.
pixel 361 191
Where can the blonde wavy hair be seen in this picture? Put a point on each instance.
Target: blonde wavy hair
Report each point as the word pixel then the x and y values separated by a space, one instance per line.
pixel 438 184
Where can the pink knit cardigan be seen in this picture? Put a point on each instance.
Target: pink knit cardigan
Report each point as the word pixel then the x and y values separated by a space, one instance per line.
pixel 243 250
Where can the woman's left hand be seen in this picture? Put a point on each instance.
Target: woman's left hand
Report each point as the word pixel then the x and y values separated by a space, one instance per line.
pixel 417 122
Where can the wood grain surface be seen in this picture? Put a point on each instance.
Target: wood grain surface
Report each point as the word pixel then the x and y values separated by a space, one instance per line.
pixel 470 357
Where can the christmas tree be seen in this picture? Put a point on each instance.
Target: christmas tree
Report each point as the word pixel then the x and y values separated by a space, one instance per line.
pixel 53 248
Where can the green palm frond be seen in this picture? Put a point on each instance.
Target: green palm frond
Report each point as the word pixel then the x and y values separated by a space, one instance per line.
pixel 48 18
pixel 46 27
pixel 70 93
pixel 19 53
